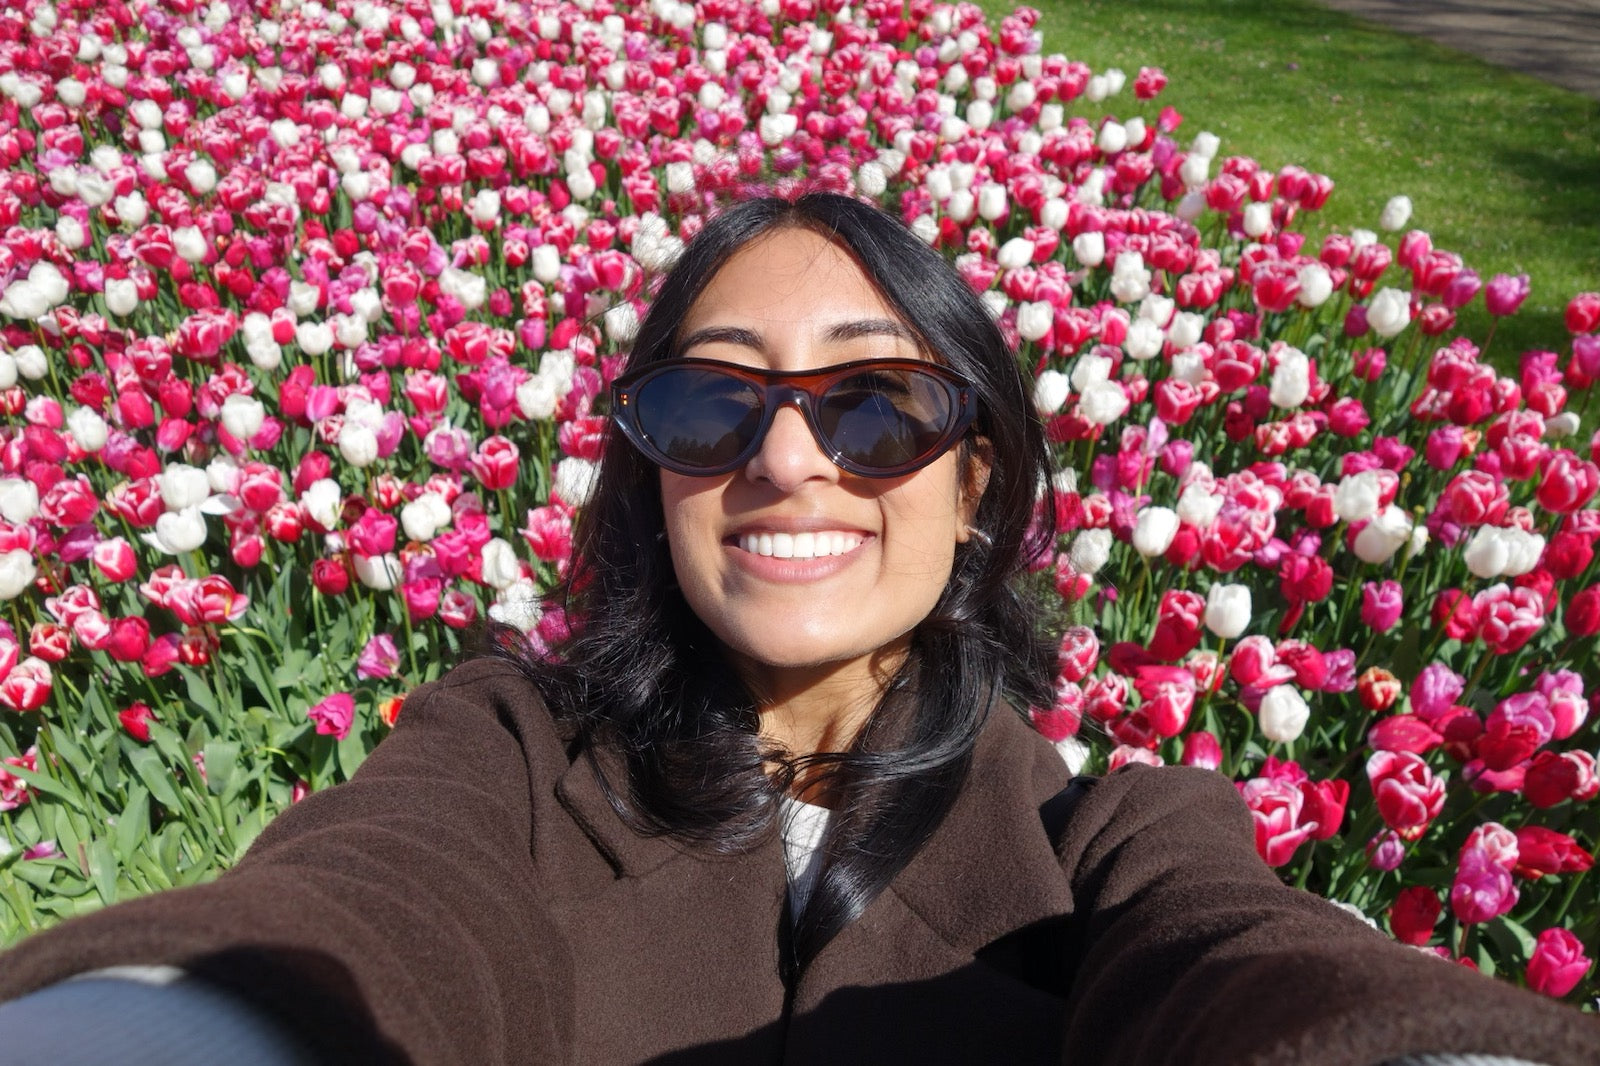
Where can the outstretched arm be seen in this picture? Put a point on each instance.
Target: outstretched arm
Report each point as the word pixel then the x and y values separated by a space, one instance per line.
pixel 390 918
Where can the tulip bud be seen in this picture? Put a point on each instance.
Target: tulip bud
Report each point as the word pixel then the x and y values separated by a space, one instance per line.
pixel 1389 312
pixel 1050 391
pixel 1396 213
pixel 1154 530
pixel 1228 610
pixel 1283 714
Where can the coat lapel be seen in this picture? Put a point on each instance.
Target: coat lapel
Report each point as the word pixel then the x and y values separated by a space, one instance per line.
pixel 912 978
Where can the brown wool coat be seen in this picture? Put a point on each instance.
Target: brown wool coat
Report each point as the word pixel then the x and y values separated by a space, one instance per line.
pixel 472 898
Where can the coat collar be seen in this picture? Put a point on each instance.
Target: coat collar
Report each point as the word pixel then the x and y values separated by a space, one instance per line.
pixel 631 854
pixel 988 869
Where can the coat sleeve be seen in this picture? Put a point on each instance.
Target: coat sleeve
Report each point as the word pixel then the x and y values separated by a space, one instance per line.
pixel 1191 951
pixel 390 919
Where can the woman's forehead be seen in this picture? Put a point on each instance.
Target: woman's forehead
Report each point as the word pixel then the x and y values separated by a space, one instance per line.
pixel 792 279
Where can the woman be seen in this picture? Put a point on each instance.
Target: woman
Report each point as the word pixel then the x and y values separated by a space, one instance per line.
pixel 798 628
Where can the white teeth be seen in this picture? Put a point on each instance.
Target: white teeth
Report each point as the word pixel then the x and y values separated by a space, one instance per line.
pixel 799 545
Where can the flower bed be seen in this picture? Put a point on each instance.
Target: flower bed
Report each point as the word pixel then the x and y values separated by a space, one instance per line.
pixel 306 313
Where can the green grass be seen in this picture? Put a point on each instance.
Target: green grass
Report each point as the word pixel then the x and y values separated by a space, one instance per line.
pixel 1503 169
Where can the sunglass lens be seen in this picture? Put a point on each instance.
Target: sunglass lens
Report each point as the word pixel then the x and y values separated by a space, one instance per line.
pixel 698 417
pixel 884 419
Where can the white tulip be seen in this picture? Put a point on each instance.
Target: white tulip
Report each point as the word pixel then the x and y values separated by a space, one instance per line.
pixel 1015 253
pixel 17 571
pixel 381 573
pixel 1257 219
pixel 575 479
pixel 177 532
pixel 1386 533
pixel 1050 391
pixel 23 300
pixel 243 416
pixel 518 605
pixel 1396 213
pixel 29 361
pixel 1488 552
pixel 1113 137
pixel 1194 171
pixel 546 262
pixel 358 444
pixel 470 289
pixel 314 338
pixel 322 502
pixel 1091 549
pixel 1283 714
pixel 1357 496
pixel 424 516
pixel 537 397
pixel 962 206
pixel 1103 403
pixel 132 209
pixel 303 298
pixel 1154 530
pixel 1186 329
pixel 1228 610
pixel 484 207
pixel 500 567
pixel 871 178
pixel 88 429
pixel 1291 379
pixel 1145 339
pixel 201 176
pixel 1090 248
pixel 19 500
pixel 122 296
pixel 1054 214
pixel 1090 369
pixel 1562 424
pixel 1316 285
pixel 1034 319
pixel 182 486
pixel 71 234
pixel 1389 312
pixel 1198 506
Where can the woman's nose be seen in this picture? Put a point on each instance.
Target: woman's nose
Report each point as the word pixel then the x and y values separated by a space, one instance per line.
pixel 790 455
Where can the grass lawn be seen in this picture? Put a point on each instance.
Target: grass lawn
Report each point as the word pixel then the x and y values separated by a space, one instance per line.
pixel 1503 169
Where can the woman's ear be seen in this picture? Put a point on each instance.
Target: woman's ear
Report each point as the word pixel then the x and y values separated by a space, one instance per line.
pixel 976 465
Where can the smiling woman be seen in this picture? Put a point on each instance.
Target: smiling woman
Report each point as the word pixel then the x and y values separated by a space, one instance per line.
pixel 768 803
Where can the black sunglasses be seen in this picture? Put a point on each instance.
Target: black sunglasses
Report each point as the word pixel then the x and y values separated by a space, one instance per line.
pixel 871 417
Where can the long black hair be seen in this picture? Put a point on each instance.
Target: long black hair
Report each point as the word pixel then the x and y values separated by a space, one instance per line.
pixel 643 675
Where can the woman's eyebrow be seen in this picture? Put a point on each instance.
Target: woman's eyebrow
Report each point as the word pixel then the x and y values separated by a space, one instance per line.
pixel 843 331
pixel 870 327
pixel 745 338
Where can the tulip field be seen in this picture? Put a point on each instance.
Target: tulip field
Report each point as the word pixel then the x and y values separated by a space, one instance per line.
pixel 307 312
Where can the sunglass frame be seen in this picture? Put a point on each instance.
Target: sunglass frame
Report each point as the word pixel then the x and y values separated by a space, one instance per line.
pixel 803 389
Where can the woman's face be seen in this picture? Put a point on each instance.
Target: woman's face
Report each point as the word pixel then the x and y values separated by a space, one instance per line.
pixel 883 548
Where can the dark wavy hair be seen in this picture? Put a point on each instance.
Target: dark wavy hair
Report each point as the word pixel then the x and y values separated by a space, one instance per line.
pixel 642 675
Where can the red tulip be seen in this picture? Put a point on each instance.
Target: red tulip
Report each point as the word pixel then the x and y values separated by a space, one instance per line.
pixel 1413 915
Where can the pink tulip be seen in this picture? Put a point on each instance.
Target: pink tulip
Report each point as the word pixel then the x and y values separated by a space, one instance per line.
pixel 334 715
pixel 380 658
pixel 1381 604
pixel 1557 964
pixel 1505 293
pixel 1409 796
pixel 1482 888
